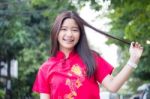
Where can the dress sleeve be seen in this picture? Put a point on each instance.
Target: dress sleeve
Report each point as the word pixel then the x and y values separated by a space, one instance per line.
pixel 41 84
pixel 103 68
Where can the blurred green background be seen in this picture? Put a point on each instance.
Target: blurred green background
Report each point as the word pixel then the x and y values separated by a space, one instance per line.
pixel 25 30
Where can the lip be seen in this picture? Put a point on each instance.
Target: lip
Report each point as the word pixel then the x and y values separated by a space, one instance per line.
pixel 68 40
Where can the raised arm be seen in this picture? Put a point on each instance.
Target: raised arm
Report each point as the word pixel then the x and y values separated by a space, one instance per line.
pixel 113 84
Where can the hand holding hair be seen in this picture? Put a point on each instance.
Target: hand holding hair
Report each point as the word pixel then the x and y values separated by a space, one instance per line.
pixel 135 51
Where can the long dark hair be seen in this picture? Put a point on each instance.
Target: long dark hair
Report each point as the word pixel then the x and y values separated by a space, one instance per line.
pixel 82 46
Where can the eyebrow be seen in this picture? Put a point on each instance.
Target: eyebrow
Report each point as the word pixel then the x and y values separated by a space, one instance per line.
pixel 66 27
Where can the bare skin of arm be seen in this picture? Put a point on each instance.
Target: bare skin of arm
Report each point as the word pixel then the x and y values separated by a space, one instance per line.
pixel 44 96
pixel 113 84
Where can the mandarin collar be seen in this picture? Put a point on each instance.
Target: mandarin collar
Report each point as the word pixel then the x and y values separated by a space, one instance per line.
pixel 61 55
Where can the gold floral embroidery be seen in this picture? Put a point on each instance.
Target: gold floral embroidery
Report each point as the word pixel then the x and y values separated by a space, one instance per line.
pixel 76 70
pixel 78 83
pixel 74 93
pixel 70 95
pixel 74 84
pixel 68 82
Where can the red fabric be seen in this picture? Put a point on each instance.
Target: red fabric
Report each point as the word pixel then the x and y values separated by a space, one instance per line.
pixel 66 78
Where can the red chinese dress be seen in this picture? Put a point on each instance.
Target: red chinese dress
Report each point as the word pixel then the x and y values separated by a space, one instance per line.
pixel 66 78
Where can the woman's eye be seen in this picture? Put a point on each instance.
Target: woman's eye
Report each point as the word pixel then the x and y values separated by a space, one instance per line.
pixel 75 30
pixel 63 29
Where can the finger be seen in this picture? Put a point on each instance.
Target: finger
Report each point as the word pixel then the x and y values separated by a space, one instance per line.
pixel 141 47
pixel 136 44
pixel 132 44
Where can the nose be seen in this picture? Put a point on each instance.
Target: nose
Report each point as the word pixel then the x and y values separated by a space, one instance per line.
pixel 69 33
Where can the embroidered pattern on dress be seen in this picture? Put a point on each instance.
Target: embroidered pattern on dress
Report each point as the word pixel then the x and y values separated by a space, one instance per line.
pixel 76 70
pixel 74 84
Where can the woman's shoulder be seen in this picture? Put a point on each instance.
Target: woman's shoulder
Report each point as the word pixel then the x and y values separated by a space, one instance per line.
pixel 95 54
pixel 48 63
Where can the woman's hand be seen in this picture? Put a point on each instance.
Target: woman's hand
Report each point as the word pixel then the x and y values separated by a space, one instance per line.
pixel 135 51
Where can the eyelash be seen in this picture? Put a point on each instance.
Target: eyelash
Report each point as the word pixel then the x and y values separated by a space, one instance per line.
pixel 72 30
pixel 75 30
pixel 63 29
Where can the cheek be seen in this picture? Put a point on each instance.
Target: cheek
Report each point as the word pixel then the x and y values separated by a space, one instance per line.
pixel 59 36
pixel 78 37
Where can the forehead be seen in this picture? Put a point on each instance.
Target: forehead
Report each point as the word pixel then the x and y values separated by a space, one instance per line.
pixel 69 22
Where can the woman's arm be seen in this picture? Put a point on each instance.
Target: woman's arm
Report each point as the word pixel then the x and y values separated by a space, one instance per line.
pixel 113 84
pixel 44 96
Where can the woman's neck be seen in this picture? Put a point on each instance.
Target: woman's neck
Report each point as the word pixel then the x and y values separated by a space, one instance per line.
pixel 66 52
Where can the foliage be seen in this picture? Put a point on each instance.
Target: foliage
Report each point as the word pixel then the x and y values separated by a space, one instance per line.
pixel 25 27
pixel 131 21
pixel 24 35
pixel 2 94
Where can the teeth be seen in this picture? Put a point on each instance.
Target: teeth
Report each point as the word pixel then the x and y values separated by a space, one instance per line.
pixel 68 40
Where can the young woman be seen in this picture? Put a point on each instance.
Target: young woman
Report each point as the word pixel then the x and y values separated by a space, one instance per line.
pixel 73 70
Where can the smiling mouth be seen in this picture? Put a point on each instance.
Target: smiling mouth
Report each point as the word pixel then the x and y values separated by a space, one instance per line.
pixel 68 40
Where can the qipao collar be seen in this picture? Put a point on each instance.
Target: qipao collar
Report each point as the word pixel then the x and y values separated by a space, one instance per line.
pixel 61 55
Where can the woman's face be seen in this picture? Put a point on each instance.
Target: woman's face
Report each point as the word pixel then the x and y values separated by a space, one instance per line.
pixel 69 35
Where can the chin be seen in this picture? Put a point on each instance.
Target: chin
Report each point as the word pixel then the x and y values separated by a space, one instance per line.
pixel 69 47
